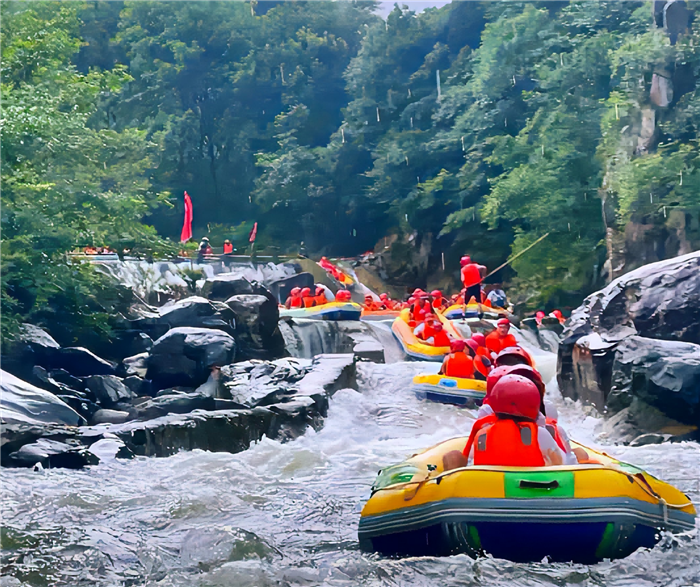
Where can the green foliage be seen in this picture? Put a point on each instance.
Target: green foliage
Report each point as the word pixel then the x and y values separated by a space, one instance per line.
pixel 65 183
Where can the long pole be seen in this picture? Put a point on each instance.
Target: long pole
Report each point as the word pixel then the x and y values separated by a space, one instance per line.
pixel 513 258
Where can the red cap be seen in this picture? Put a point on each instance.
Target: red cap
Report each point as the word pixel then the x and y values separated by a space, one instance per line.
pixel 383 297
pixel 514 395
pixel 295 291
pixel 465 260
pixel 471 343
pixel 540 314
pixel 558 314
pixel 306 291
pixel 479 338
pixel 436 293
pixel 503 322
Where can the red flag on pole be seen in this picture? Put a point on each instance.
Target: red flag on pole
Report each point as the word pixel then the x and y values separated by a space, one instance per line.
pixel 253 233
pixel 187 224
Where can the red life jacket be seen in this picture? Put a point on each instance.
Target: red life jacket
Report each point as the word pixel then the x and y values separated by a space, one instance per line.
pixel 553 428
pixel 480 366
pixel 441 339
pixel 496 343
pixel 459 365
pixel 505 443
pixel 320 299
pixel 309 302
pixel 228 248
pixel 295 302
pixel 471 275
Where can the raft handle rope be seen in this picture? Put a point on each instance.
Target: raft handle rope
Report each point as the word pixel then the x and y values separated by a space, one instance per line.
pixel 644 484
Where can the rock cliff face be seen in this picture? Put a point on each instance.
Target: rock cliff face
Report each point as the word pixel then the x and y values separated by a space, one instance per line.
pixel 638 340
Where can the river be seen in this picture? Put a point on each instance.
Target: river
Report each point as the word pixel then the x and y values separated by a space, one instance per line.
pixel 287 514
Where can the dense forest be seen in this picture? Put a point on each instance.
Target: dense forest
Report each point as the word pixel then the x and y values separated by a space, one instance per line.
pixel 477 127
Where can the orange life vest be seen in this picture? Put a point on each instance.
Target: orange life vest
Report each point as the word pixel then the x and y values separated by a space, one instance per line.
pixel 481 367
pixel 228 248
pixel 309 302
pixel 553 428
pixel 459 365
pixel 470 275
pixel 295 302
pixel 495 343
pixel 505 443
pixel 441 339
pixel 320 299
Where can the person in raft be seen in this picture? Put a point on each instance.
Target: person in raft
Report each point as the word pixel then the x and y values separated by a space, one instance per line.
pixel 343 295
pixel 370 305
pixel 294 300
pixel 458 363
pixel 500 338
pixel 323 295
pixel 548 415
pixel 471 275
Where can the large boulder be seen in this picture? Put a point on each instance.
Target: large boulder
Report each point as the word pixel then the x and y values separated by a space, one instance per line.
pixel 282 287
pixel 81 362
pixel 223 286
pixel 185 356
pixel 172 403
pixel 256 320
pixel 22 402
pixel 32 346
pixel 108 389
pixel 637 339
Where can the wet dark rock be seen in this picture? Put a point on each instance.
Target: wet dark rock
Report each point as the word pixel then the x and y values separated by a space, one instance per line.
pixel 185 356
pixel 52 453
pixel 613 348
pixel 255 383
pixel 138 386
pixel 174 403
pixel 663 374
pixel 107 416
pixel 223 286
pixel 256 331
pixel 309 338
pixel 108 389
pixel 130 342
pixel 33 346
pixel 84 406
pixel 135 365
pixel 62 376
pixel 81 362
pixel 23 402
pixel 194 311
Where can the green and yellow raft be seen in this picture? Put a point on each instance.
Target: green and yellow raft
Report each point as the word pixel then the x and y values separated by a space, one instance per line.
pixel 583 513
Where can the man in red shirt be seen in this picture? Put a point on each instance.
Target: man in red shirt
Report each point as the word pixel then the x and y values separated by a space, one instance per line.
pixel 500 338
pixel 471 274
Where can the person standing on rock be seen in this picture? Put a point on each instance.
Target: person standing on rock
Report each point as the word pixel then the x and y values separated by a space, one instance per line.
pixel 471 274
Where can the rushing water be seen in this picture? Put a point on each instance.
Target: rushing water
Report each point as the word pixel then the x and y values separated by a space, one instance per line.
pixel 287 514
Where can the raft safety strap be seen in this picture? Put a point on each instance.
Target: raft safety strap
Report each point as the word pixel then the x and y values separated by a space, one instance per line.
pixel 644 484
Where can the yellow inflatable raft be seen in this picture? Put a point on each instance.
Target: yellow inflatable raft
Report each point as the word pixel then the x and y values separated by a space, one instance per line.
pixel 457 311
pixel 469 393
pixel 329 311
pixel 416 348
pixel 380 314
pixel 582 513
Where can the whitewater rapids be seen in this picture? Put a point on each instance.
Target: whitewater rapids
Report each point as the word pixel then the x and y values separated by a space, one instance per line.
pixel 287 514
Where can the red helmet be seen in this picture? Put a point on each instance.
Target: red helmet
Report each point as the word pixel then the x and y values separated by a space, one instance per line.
pixel 479 338
pixel 436 293
pixel 319 290
pixel 437 327
pixel 515 395
pixel 540 314
pixel 368 297
pixel 557 314
pixel 418 291
pixel 465 260
pixel 503 322
pixel 513 355
pixel 458 345
pixel 295 291
pixel 471 343
pixel 411 300
pixel 383 296
pixel 522 370
pixel 306 291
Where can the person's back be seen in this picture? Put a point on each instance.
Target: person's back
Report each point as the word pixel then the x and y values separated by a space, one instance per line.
pixel 440 337
pixel 458 364
pixel 510 436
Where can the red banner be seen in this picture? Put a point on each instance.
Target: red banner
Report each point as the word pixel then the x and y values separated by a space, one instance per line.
pixel 187 224
pixel 253 233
